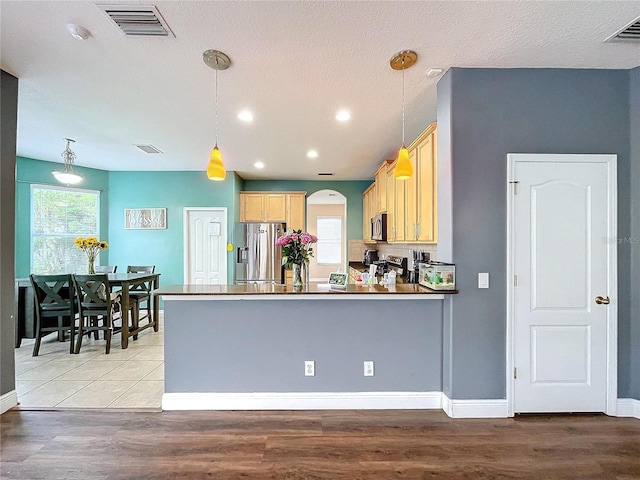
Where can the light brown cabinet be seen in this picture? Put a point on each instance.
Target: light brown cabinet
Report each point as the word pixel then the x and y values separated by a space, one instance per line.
pixel 287 207
pixel 381 187
pixel 411 204
pixel 368 211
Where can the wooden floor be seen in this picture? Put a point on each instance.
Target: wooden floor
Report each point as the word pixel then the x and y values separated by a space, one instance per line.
pixel 353 445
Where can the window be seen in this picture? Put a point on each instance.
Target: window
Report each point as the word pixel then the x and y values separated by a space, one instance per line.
pixel 59 215
pixel 329 244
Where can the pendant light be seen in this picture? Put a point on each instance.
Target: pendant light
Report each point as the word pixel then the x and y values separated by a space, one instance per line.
pixel 402 61
pixel 67 175
pixel 218 61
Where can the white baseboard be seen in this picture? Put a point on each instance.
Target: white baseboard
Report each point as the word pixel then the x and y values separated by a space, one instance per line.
pixel 8 400
pixel 302 401
pixel 628 407
pixel 497 408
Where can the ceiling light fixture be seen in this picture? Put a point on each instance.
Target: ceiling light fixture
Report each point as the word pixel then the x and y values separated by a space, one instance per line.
pixel 218 61
pixel 246 116
pixel 78 31
pixel 402 61
pixel 67 175
pixel 259 165
pixel 343 116
pixel 312 154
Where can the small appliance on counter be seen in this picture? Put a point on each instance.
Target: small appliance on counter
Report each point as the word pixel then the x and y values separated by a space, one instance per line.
pixel 370 256
pixel 419 256
pixel 438 275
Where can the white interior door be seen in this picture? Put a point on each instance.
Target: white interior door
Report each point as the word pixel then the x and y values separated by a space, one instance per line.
pixel 563 240
pixel 205 260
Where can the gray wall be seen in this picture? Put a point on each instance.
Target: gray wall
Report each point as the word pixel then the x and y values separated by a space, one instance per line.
pixel 261 345
pixel 494 112
pixel 634 371
pixel 8 125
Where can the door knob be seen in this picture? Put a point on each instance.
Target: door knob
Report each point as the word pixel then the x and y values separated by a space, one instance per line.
pixel 602 300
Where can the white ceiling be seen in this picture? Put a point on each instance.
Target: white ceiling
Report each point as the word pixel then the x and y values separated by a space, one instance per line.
pixel 294 64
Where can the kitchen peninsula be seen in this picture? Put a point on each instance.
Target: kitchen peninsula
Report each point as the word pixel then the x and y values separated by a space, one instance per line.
pixel 245 347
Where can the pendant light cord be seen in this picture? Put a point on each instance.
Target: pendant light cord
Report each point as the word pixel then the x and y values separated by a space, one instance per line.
pixel 403 100
pixel 216 108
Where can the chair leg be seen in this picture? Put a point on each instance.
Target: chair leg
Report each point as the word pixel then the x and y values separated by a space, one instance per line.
pixel 36 346
pixel 80 335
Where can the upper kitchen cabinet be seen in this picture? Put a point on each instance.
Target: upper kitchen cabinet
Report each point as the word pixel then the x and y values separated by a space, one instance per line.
pixel 381 187
pixel 411 204
pixel 369 205
pixel 287 207
pixel 295 215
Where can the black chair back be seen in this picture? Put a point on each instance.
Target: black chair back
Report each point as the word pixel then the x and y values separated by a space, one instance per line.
pixel 55 308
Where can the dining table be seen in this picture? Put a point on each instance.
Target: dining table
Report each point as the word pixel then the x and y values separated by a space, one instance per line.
pixel 127 281
pixel 25 317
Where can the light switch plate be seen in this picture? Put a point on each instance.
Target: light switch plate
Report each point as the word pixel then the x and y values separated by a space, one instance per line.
pixel 483 280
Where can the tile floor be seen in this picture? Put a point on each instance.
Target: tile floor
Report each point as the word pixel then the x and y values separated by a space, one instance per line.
pixel 131 378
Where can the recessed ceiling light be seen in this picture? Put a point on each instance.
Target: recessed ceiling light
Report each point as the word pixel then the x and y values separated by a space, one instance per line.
pixel 245 116
pixel 78 31
pixel 312 154
pixel 343 116
pixel 259 165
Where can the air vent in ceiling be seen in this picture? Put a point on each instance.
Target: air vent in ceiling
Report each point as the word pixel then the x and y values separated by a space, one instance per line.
pixel 629 33
pixel 148 148
pixel 137 20
pixel 325 174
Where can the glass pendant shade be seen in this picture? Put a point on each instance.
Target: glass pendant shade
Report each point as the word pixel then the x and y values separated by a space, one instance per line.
pixel 215 169
pixel 403 170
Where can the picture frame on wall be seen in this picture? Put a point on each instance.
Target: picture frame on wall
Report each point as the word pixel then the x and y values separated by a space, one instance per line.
pixel 145 218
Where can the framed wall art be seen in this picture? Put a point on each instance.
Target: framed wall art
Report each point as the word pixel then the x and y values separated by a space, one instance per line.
pixel 145 218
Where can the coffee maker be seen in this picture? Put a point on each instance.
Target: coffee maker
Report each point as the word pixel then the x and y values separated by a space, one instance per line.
pixel 419 256
pixel 370 256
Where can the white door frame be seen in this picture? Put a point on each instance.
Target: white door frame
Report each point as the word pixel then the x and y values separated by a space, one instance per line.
pixel 612 261
pixel 185 238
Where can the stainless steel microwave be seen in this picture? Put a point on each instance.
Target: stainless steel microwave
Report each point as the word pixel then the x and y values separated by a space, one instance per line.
pixel 379 227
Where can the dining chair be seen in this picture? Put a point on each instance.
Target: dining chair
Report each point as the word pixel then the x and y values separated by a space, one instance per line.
pixel 55 309
pixel 140 294
pixel 106 268
pixel 96 304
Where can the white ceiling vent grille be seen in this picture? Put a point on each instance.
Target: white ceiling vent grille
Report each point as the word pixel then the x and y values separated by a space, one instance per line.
pixel 137 20
pixel 629 33
pixel 148 148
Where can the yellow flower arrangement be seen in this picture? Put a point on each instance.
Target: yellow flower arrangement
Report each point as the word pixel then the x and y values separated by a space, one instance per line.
pixel 91 246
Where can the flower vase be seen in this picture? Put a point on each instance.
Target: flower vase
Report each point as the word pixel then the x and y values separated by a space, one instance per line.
pixel 92 269
pixel 297 275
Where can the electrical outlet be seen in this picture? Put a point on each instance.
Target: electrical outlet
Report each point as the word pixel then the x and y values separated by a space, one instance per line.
pixel 309 368
pixel 368 368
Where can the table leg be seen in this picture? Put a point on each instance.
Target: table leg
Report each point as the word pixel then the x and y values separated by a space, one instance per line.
pixel 124 334
pixel 156 306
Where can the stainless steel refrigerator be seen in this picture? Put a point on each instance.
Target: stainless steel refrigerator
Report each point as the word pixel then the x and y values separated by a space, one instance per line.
pixel 258 259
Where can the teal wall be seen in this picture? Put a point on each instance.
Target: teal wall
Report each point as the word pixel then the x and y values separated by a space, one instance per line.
pixel 30 171
pixel 173 191
pixel 351 189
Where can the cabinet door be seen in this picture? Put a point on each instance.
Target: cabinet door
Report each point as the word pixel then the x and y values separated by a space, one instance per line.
pixel 275 207
pixel 427 189
pixel 411 201
pixel 251 207
pixel 295 211
pixel 400 217
pixel 381 189
pixel 391 204
pixel 367 209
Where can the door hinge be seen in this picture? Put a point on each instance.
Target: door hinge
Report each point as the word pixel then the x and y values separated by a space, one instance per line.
pixel 515 372
pixel 515 186
pixel 515 280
